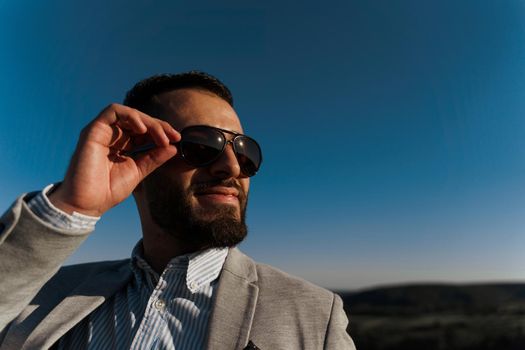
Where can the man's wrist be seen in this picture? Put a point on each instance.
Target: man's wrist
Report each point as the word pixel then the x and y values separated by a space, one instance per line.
pixel 42 206
pixel 57 199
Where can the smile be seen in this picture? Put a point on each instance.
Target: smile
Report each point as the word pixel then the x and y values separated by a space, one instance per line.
pixel 218 195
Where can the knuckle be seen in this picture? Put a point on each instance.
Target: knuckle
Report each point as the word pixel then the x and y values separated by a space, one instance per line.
pixel 159 126
pixel 86 130
pixel 109 110
pixel 134 114
pixel 166 125
pixel 114 106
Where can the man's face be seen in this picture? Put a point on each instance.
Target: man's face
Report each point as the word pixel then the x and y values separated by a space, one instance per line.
pixel 205 207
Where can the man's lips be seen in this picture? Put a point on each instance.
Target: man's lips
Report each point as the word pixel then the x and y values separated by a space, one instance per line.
pixel 218 194
pixel 219 190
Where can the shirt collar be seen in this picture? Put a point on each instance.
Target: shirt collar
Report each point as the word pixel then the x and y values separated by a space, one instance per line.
pixel 201 267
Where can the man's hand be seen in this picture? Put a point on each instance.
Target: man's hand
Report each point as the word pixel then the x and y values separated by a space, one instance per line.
pixel 99 175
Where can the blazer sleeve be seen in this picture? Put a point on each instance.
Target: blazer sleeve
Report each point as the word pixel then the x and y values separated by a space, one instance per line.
pixel 336 335
pixel 31 252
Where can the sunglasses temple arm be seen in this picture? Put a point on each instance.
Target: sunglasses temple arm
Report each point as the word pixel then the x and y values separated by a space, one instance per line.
pixel 142 149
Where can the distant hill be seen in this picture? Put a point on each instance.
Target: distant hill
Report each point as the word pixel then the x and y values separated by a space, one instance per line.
pixel 438 316
pixel 414 299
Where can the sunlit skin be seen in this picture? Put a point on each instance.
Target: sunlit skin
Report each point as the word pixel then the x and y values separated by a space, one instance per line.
pixel 182 108
pixel 99 177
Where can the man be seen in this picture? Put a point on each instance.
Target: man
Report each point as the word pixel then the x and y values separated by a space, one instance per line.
pixel 186 285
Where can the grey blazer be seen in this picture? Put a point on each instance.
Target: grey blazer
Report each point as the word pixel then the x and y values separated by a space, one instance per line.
pixel 254 303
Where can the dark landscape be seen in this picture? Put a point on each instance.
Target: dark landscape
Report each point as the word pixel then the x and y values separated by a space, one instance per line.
pixel 438 317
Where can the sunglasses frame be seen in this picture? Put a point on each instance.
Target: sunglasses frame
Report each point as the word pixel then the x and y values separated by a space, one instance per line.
pixel 225 144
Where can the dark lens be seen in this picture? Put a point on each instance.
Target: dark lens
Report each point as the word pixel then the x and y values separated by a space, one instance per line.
pixel 200 145
pixel 248 154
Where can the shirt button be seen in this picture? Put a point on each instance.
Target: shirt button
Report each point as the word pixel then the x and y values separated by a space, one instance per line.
pixel 159 304
pixel 194 285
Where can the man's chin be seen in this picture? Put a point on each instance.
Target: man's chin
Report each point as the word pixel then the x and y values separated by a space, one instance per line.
pixel 216 232
pixel 210 216
pixel 211 211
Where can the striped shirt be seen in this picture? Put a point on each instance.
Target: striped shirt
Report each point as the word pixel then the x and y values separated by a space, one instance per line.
pixel 75 223
pixel 170 311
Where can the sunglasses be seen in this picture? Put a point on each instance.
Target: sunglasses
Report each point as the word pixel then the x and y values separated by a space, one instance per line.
pixel 201 145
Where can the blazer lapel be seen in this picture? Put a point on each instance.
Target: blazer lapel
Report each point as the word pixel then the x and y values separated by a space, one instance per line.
pixel 80 303
pixel 232 316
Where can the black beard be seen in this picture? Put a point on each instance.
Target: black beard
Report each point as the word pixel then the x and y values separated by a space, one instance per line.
pixel 170 208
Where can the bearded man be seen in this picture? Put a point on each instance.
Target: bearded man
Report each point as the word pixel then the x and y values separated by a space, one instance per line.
pixel 178 146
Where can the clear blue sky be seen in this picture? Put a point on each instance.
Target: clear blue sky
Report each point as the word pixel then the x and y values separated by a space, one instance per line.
pixel 392 131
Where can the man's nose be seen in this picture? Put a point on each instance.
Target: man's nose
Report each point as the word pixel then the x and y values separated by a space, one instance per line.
pixel 226 166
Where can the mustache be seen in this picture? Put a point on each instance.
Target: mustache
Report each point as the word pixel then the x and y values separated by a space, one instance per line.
pixel 201 186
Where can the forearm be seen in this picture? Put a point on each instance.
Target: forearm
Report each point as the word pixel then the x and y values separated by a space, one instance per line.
pixel 31 251
pixel 34 246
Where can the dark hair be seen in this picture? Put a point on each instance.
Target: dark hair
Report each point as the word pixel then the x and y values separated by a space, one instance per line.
pixel 139 97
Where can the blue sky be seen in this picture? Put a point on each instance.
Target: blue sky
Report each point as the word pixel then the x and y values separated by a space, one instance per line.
pixel 392 131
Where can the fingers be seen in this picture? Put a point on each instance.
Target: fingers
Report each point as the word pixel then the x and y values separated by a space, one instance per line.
pixel 136 125
pixel 141 129
pixel 151 160
pixel 137 122
pixel 157 130
pixel 173 135
pixel 130 121
pixel 99 176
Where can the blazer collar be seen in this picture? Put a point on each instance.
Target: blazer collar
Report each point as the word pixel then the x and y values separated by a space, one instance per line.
pixel 236 296
pixel 230 321
pixel 80 303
